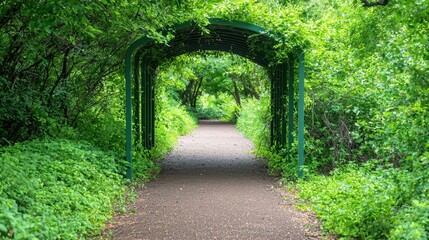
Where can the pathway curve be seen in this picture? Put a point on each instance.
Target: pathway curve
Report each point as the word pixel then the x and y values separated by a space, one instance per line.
pixel 212 187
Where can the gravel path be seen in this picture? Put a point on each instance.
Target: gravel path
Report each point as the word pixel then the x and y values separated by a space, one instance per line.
pixel 213 188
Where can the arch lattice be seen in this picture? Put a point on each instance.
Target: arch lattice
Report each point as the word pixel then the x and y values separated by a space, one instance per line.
pixel 244 39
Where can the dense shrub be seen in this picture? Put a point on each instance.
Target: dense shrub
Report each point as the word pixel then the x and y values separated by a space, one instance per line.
pixel 368 104
pixel 55 189
pixel 357 202
pixel 171 122
pixel 68 189
pixel 220 107
pixel 254 120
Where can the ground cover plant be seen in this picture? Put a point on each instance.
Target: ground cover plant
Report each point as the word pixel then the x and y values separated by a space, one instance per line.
pixel 362 203
pixel 57 189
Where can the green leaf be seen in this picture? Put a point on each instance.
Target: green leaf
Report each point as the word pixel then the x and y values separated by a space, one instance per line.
pixel 3 228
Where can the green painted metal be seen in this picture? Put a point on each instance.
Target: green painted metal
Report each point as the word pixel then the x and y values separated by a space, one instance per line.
pixel 238 24
pixel 128 102
pixel 291 102
pixel 276 98
pixel 151 111
pixel 283 88
pixel 136 98
pixel 274 113
pixel 144 104
pixel 143 77
pixel 300 113
pixel 272 93
pixel 230 36
pixel 128 117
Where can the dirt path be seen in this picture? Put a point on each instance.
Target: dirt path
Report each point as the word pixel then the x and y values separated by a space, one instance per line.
pixel 212 188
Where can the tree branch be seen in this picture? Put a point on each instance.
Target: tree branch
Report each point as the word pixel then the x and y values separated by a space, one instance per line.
pixel 11 13
pixel 366 3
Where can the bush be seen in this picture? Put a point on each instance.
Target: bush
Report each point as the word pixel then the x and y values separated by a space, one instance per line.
pixel 254 122
pixel 220 107
pixel 172 120
pixel 412 222
pixel 56 189
pixel 362 203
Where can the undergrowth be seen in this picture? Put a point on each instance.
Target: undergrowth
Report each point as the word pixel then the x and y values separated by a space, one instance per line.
pixel 220 107
pixel 57 189
pixel 68 189
pixel 361 203
pixel 374 199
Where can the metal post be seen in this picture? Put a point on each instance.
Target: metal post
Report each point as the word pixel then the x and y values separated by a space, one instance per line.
pixel 136 100
pixel 145 107
pixel 284 89
pixel 277 108
pixel 272 102
pixel 128 113
pixel 301 114
pixel 291 102
pixel 148 107
pixel 151 112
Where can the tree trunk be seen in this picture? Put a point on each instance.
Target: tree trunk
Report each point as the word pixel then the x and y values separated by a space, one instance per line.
pixel 236 93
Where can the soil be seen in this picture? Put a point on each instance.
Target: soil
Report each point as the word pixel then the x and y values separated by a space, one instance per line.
pixel 212 187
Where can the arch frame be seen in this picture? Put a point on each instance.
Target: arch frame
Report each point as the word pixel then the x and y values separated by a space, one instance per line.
pixel 227 36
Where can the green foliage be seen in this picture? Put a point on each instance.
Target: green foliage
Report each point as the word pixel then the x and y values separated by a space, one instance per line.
pixel 281 20
pixel 172 122
pixel 212 85
pixel 144 167
pixel 412 222
pixel 254 121
pixel 56 189
pixel 357 202
pixel 352 204
pixel 366 103
pixel 103 124
pixel 171 119
pixel 48 74
pixel 220 107
pixel 380 112
pixel 367 83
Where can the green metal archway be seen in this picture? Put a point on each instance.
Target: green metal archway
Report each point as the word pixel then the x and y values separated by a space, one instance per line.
pixel 244 39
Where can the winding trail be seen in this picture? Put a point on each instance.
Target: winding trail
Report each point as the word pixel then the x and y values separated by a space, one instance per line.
pixel 212 187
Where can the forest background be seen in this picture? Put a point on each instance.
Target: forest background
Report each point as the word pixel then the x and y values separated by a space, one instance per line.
pixel 62 109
